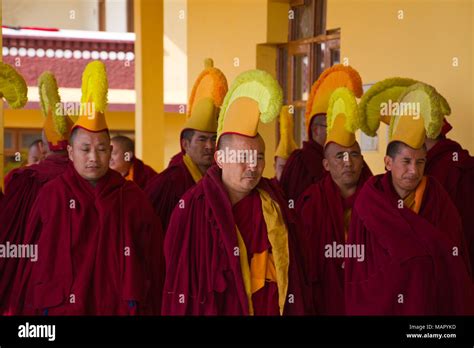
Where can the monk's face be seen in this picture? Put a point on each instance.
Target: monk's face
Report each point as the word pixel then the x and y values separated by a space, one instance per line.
pixel 36 153
pixel 90 153
pixel 407 167
pixel 120 159
pixel 318 129
pixel 343 163
pixel 279 165
pixel 242 174
pixel 201 148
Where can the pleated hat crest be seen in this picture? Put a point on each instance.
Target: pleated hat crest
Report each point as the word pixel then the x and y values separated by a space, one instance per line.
pixel 56 126
pixel 381 93
pixel 332 78
pixel 412 109
pixel 287 142
pixel 254 96
pixel 206 99
pixel 343 118
pixel 94 98
pixel 13 88
pixel 427 122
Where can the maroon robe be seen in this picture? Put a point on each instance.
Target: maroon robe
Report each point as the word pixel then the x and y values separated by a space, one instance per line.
pixel 304 167
pixel 23 188
pixel 321 208
pixel 409 266
pixel 142 173
pixel 166 189
pixel 457 178
pixel 203 275
pixel 100 250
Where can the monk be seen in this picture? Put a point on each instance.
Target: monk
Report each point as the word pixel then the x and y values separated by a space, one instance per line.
pixel 166 189
pixel 36 152
pixel 108 260
pixel 197 140
pixel 204 254
pixel 415 262
pixel 453 167
pixel 304 166
pixel 124 161
pixel 22 188
pixel 99 241
pixel 325 208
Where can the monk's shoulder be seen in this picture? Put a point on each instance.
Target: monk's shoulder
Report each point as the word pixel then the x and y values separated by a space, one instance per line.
pixel 173 175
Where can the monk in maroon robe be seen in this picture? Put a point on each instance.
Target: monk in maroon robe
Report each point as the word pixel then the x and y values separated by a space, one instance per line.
pixel 99 241
pixel 123 160
pixel 453 167
pixel 325 208
pixel 22 190
pixel 415 258
pixel 305 165
pixel 166 189
pixel 210 269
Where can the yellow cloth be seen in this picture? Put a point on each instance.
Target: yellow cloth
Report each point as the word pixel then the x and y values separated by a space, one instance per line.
pixel 414 199
pixel 193 168
pixel 273 267
pixel 129 176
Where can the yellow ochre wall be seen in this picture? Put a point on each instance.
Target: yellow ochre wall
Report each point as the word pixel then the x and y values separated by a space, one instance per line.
pixel 229 32
pixel 422 46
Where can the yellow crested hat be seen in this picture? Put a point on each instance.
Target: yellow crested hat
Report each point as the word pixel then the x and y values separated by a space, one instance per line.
pixel 336 76
pixel 379 94
pixel 431 108
pixel 12 87
pixel 342 118
pixel 56 126
pixel 253 97
pixel 206 98
pixel 287 143
pixel 94 98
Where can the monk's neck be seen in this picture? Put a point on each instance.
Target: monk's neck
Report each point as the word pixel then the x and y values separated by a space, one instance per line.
pixel 401 192
pixel 203 169
pixel 347 191
pixel 235 196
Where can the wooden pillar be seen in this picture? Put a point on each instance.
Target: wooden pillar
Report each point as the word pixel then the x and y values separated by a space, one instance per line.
pixel 149 109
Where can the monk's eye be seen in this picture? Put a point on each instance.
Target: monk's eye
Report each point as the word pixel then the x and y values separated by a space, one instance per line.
pixel 355 154
pixel 85 149
pixel 261 157
pixel 339 156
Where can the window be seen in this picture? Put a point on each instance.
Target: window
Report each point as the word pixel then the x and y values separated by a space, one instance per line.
pixel 310 50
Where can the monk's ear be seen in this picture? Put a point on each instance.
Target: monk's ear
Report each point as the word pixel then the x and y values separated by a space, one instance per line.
pixel 326 164
pixel 184 144
pixel 388 163
pixel 69 152
pixel 218 158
